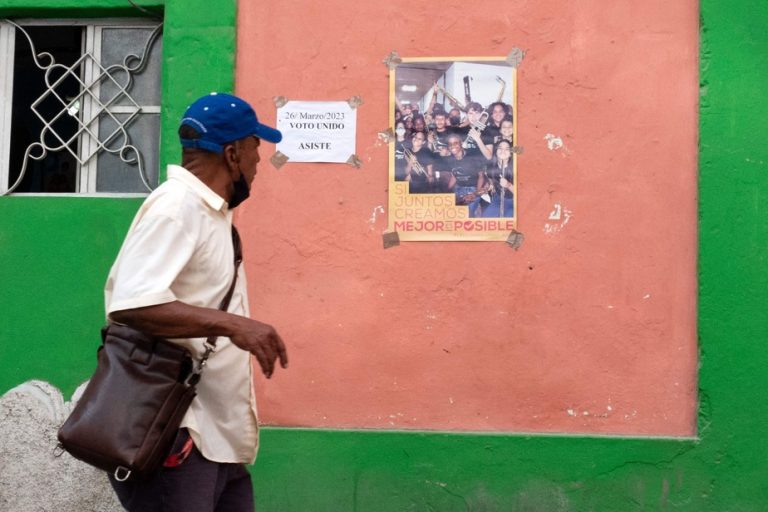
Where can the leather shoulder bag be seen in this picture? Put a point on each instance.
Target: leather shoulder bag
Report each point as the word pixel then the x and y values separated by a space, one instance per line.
pixel 129 414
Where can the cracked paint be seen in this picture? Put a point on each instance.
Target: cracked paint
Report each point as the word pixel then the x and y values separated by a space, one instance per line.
pixel 376 210
pixel 560 217
pixel 585 413
pixel 553 142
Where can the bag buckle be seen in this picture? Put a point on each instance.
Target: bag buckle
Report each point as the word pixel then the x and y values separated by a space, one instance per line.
pixel 197 371
pixel 122 474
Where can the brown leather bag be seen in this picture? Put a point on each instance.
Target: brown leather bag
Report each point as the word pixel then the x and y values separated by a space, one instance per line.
pixel 131 409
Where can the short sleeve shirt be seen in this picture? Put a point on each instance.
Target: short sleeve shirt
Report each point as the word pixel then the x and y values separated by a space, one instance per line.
pixel 466 169
pixel 419 183
pixel 441 138
pixel 469 142
pixel 179 248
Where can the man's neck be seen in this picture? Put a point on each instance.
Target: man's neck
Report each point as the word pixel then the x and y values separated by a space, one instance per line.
pixel 211 171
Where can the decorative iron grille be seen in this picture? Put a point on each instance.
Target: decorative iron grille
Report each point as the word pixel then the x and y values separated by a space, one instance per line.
pixel 88 108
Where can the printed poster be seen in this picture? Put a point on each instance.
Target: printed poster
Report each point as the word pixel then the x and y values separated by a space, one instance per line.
pixel 453 160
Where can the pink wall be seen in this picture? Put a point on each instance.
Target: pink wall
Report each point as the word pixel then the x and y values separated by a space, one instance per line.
pixel 589 327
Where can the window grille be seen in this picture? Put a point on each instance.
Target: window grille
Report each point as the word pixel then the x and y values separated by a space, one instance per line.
pixel 92 122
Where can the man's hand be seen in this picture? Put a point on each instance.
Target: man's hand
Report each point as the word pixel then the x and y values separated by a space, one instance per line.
pixel 179 320
pixel 475 134
pixel 262 341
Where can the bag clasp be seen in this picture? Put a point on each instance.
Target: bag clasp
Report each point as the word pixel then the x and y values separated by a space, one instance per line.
pixel 122 474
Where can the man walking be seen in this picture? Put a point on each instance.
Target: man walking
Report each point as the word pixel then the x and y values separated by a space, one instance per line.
pixel 172 272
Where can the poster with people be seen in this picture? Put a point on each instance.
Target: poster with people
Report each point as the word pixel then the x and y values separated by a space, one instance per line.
pixel 453 159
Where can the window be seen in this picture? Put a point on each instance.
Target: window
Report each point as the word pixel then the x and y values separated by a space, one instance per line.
pixel 79 106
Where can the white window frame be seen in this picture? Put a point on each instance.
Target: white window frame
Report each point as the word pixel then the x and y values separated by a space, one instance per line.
pixel 92 36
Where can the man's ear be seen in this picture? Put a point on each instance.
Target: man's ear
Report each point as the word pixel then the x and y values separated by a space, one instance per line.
pixel 231 157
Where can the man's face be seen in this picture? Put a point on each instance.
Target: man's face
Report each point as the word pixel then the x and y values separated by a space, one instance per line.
pixel 454 118
pixel 248 153
pixel 242 158
pixel 498 113
pixel 473 115
pixel 440 121
pixel 454 147
pixel 418 124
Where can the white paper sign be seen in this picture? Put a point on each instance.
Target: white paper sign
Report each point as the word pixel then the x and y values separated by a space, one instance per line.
pixel 317 131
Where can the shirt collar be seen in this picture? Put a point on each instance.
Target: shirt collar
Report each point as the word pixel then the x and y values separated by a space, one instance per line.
pixel 214 200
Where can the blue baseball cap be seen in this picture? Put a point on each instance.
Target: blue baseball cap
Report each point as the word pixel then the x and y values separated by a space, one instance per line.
pixel 220 119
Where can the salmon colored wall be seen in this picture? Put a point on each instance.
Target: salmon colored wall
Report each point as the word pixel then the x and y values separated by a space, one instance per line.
pixel 589 327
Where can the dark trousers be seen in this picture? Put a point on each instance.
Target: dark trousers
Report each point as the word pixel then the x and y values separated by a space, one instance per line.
pixel 197 485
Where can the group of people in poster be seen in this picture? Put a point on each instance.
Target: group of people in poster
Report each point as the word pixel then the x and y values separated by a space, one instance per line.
pixel 467 152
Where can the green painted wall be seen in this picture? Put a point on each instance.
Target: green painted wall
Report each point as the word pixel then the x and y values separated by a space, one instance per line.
pixel 75 9
pixel 54 254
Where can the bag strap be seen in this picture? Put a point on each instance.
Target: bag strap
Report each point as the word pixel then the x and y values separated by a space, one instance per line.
pixel 210 343
pixel 238 250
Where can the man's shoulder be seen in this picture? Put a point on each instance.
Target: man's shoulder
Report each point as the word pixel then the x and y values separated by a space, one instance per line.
pixel 425 155
pixel 168 198
pixel 175 203
pixel 473 154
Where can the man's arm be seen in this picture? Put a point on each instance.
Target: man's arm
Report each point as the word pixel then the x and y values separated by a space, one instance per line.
pixel 486 150
pixel 179 320
pixel 428 114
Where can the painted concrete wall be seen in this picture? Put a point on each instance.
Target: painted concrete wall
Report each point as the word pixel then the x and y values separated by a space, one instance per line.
pixel 722 470
pixel 589 327
pixel 59 248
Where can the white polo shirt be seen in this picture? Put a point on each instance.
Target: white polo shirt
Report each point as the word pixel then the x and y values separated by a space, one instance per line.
pixel 179 248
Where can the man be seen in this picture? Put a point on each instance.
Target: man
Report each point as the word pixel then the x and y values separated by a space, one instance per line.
pixel 477 138
pixel 419 125
pixel 462 167
pixel 438 137
pixel 405 109
pixel 175 266
pixel 454 118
